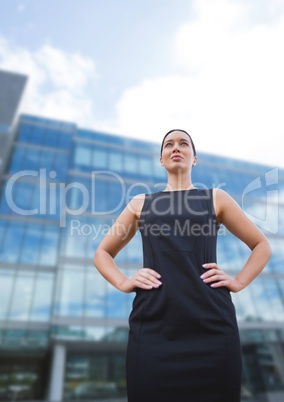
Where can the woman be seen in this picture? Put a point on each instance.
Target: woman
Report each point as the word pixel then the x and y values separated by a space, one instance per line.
pixel 183 341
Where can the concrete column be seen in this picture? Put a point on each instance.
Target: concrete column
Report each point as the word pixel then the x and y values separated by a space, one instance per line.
pixel 57 373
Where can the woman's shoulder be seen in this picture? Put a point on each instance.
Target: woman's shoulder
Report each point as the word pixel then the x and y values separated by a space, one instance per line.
pixel 136 204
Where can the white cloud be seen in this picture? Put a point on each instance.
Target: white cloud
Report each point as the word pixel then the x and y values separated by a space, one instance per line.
pixel 59 82
pixel 227 90
pixel 21 7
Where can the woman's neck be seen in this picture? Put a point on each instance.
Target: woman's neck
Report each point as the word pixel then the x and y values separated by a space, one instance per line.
pixel 179 183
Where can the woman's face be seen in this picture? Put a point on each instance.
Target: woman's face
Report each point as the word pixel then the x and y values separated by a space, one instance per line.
pixel 177 151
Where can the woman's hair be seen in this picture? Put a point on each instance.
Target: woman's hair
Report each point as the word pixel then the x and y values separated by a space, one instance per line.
pixel 192 144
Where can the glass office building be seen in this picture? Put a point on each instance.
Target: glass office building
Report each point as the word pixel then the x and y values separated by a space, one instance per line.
pixel 63 326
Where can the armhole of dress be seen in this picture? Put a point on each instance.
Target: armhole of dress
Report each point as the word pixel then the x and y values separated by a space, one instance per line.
pixel 213 211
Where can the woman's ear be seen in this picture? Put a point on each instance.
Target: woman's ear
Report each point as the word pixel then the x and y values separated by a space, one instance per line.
pixel 161 160
pixel 194 161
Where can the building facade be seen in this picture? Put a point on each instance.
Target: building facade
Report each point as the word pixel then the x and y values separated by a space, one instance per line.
pixel 63 327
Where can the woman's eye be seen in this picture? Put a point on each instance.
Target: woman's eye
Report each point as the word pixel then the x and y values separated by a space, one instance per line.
pixel 184 143
pixel 167 144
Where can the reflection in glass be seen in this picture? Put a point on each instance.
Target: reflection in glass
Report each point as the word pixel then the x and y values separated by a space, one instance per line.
pixel 97 377
pixel 95 294
pixel 71 293
pixel 6 286
pixel 42 299
pixel 10 249
pixel 22 296
pixel 115 161
pixel 100 158
pixel 49 246
pixel 31 244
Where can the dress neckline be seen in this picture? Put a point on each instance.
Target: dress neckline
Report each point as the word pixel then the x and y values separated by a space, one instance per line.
pixel 177 191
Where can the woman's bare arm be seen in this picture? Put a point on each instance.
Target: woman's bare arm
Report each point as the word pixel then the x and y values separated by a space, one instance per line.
pixel 229 213
pixel 121 232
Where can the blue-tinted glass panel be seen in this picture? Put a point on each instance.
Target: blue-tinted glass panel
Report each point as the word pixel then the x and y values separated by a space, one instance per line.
pixel 115 200
pixel 83 155
pixel 145 166
pixel 49 246
pixel 37 135
pixel 95 296
pixel 6 286
pixel 77 236
pixel 276 262
pixel 31 159
pixel 42 298
pixel 51 138
pixel 115 161
pixel 31 244
pixel 17 159
pixel 46 161
pixel 116 304
pixel 99 195
pixel 22 197
pixel 130 163
pixel 22 296
pixel 134 249
pixel 245 305
pixel 11 245
pixel 100 159
pixel 158 170
pixel 261 299
pixel 64 140
pixel 24 133
pixel 71 293
pixel 60 166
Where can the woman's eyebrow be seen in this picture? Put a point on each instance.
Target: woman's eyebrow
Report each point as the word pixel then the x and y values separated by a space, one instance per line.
pixel 181 139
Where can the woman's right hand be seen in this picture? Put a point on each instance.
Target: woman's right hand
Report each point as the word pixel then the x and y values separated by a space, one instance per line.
pixel 145 278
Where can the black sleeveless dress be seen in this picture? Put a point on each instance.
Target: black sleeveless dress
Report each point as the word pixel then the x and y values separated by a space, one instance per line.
pixel 183 343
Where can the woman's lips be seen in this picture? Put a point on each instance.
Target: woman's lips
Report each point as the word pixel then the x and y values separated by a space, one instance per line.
pixel 176 157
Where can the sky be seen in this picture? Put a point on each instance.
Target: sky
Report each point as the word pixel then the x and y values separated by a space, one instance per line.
pixel 140 68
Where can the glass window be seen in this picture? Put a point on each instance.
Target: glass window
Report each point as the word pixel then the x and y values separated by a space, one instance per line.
pixel 42 298
pixel 100 377
pixel 261 299
pixel 37 135
pixel 17 159
pixel 83 156
pixel 158 169
pixel 31 244
pixel 49 246
pixel 6 286
pixel 24 134
pixel 71 293
pixel 23 196
pixel 60 165
pixel 276 261
pixel 99 195
pixel 116 304
pixel 134 249
pixel 31 159
pixel 22 296
pixel 130 163
pixel 145 166
pixel 77 234
pixel 245 305
pixel 64 140
pixel 11 246
pixel 46 160
pixel 51 138
pixel 274 301
pixel 115 161
pixel 100 158
pixel 114 200
pixel 95 296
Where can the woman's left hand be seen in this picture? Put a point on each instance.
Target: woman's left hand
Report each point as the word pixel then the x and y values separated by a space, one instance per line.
pixel 220 278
